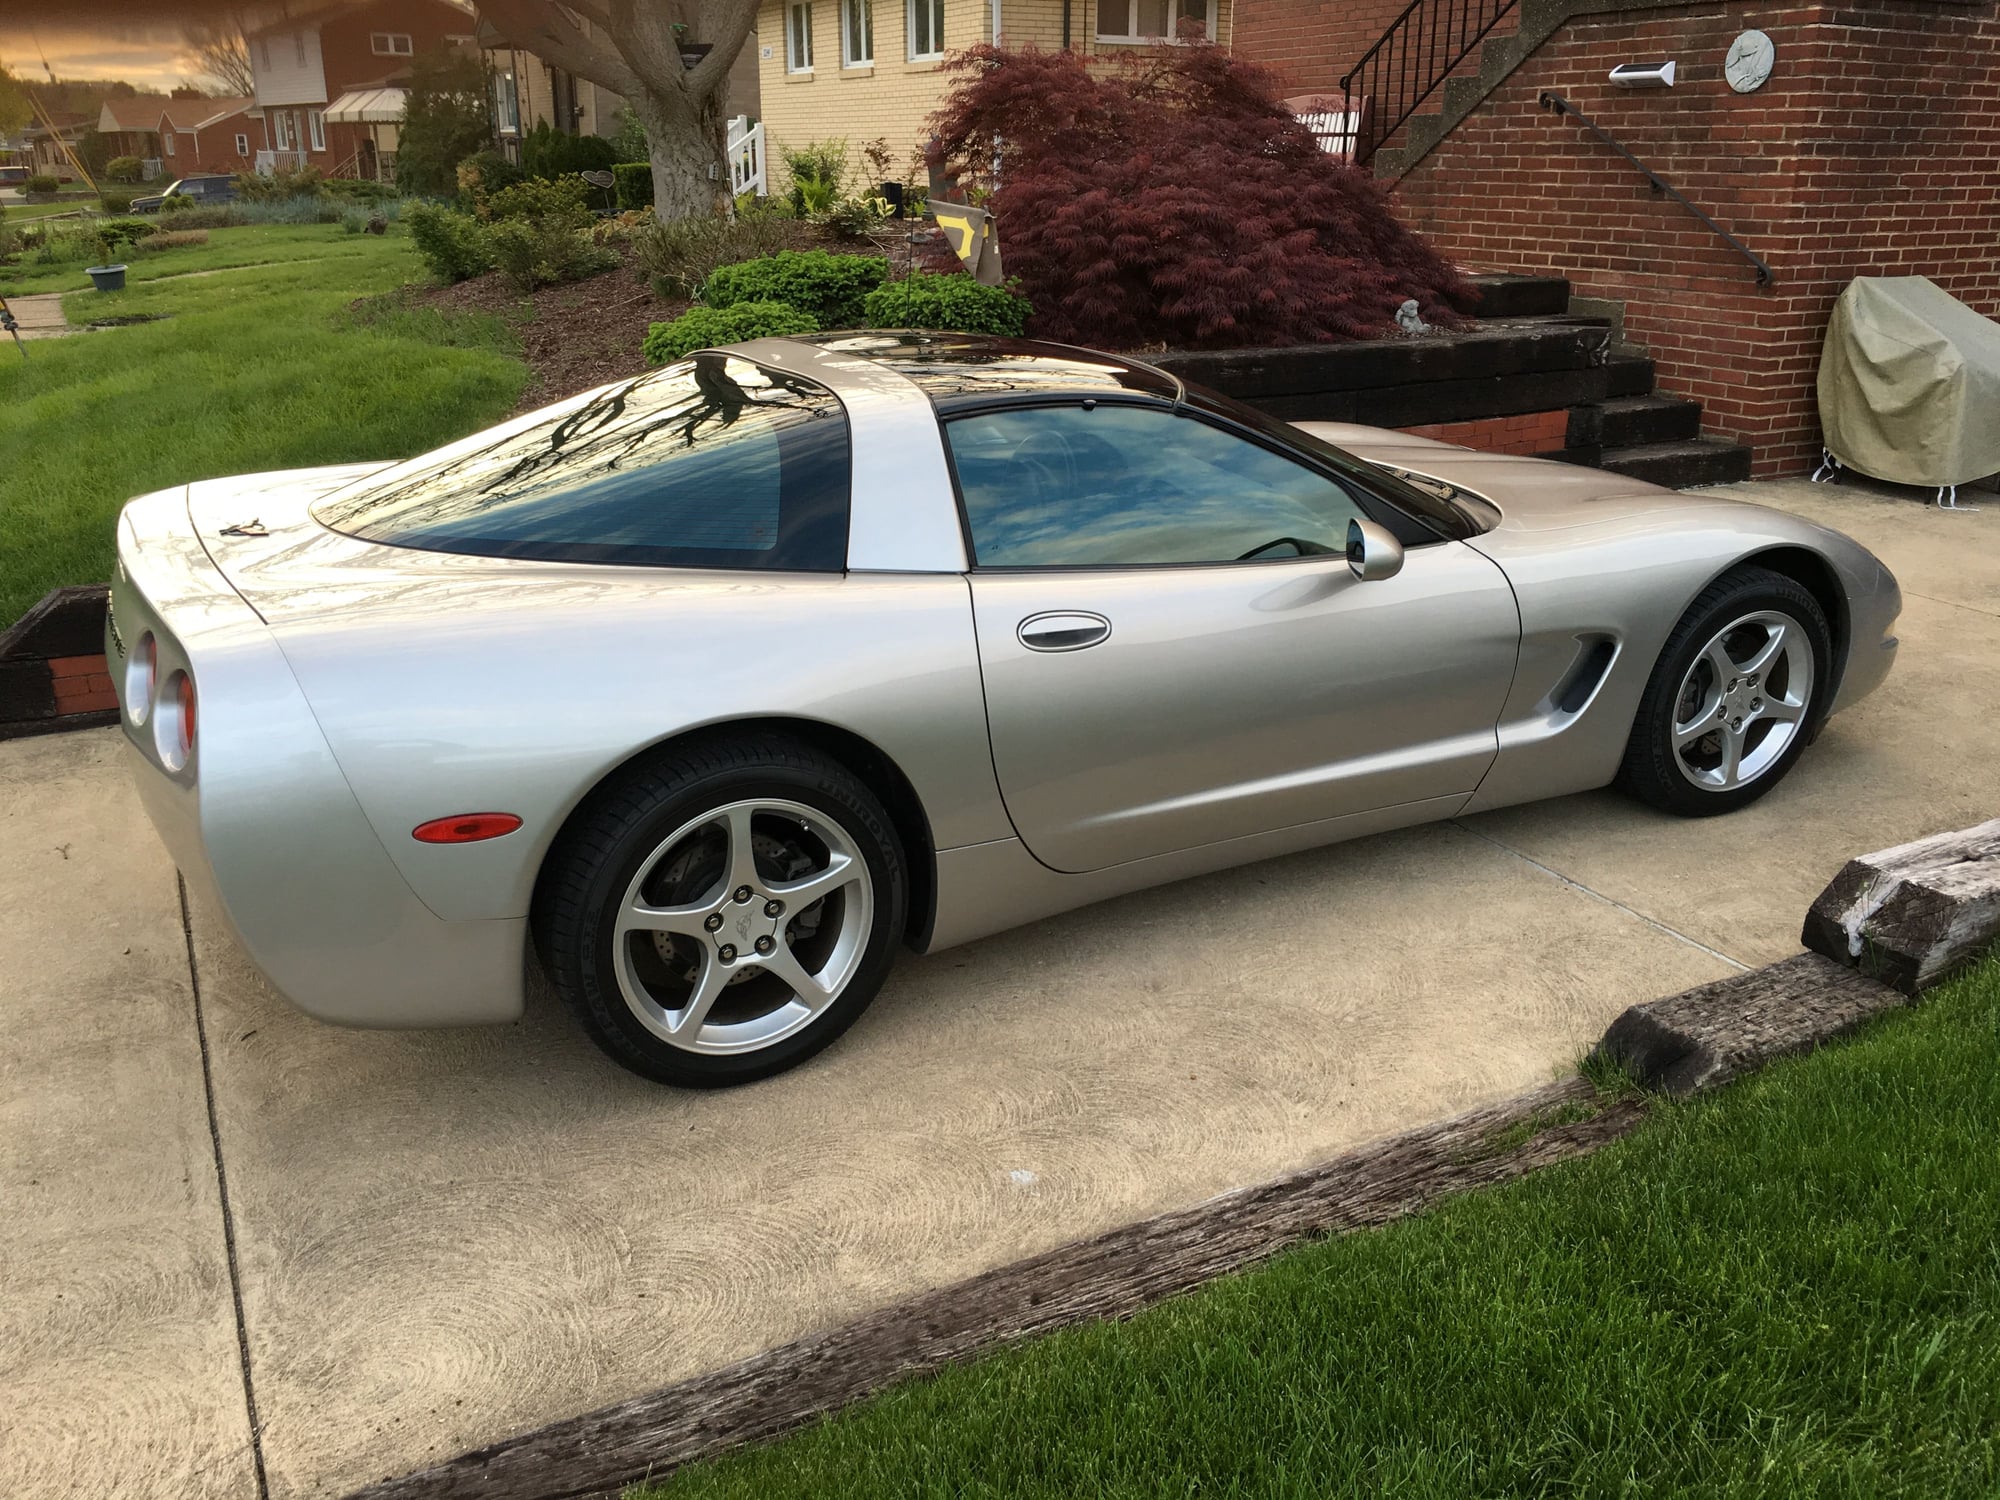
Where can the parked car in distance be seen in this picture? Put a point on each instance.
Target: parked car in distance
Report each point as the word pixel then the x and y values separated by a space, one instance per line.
pixel 214 188
pixel 13 176
pixel 721 683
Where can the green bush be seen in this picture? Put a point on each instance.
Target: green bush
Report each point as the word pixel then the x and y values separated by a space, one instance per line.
pixel 185 213
pixel 544 251
pixel 682 255
pixel 829 287
pixel 124 169
pixel 706 327
pixel 116 200
pixel 817 171
pixel 485 173
pixel 560 200
pixel 635 183
pixel 278 187
pixel 41 185
pixel 173 239
pixel 454 246
pixel 360 189
pixel 547 152
pixel 953 301
pixel 119 233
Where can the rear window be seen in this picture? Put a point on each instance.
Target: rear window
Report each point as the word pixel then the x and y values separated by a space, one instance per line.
pixel 711 463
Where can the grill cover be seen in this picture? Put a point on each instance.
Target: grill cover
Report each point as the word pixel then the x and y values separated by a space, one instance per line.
pixel 1909 383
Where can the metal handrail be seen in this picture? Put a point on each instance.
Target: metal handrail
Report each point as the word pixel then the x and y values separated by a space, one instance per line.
pixel 1417 53
pixel 1765 275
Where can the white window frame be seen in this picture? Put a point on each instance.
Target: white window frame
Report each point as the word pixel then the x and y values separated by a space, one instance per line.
pixel 935 15
pixel 281 131
pixel 316 128
pixel 1131 32
pixel 167 140
pixel 242 144
pixel 389 43
pixel 799 36
pixel 857 33
pixel 506 104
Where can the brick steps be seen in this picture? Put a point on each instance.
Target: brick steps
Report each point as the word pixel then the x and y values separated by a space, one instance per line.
pixel 1681 465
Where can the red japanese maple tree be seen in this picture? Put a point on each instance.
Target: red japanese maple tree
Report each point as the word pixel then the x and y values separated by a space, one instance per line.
pixel 1173 201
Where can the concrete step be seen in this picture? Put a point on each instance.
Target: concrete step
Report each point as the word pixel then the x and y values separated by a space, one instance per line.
pixel 1628 374
pixel 1505 295
pixel 1634 421
pixel 1460 94
pixel 1681 465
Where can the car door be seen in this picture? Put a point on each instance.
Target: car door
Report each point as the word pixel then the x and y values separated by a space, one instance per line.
pixel 1152 687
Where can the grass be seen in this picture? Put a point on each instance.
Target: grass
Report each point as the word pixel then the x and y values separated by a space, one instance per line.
pixel 259 368
pixel 1790 1288
pixel 227 249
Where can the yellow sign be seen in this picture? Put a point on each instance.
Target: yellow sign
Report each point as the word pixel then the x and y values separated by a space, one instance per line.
pixel 970 233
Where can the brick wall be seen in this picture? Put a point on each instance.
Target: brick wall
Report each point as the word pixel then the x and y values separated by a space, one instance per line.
pixel 1310 43
pixel 1873 150
pixel 1530 435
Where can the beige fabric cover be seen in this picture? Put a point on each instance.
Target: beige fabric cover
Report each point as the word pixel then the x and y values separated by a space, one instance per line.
pixel 1909 383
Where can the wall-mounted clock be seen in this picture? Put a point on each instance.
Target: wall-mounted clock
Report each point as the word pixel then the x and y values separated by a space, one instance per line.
pixel 1748 65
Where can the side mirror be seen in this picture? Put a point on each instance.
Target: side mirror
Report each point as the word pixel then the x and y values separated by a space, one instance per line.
pixel 1372 552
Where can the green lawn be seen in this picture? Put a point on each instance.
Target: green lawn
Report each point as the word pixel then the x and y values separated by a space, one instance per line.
pixel 1791 1288
pixel 258 368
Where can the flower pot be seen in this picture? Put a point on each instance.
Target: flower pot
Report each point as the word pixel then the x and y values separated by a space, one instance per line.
pixel 107 278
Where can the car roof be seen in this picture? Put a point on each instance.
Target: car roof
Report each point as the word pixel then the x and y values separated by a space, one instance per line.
pixel 949 365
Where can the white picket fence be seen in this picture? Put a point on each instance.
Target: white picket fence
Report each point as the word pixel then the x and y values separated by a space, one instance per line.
pixel 746 157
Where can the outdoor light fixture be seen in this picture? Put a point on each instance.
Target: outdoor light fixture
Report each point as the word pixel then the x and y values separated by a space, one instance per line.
pixel 1643 75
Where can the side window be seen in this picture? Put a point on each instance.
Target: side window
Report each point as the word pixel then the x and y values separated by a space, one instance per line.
pixel 1109 485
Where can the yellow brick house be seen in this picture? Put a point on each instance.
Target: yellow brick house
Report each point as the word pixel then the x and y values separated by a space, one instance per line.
pixel 863 69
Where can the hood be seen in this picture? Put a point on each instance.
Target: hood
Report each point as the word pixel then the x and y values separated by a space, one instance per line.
pixel 1515 494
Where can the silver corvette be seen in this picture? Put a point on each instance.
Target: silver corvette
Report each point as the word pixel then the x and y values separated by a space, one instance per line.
pixel 710 688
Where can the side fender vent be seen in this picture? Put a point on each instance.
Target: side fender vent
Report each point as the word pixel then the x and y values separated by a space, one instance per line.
pixel 1585 673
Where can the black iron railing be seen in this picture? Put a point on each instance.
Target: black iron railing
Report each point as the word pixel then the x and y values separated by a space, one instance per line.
pixel 1562 106
pixel 1409 62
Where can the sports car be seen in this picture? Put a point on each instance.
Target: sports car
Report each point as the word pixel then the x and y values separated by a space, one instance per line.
pixel 709 689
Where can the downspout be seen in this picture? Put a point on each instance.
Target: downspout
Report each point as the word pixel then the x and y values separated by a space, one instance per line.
pixel 996 22
pixel 1065 25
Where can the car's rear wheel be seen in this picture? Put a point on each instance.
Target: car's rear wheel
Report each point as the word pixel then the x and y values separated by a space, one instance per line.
pixel 724 911
pixel 1731 699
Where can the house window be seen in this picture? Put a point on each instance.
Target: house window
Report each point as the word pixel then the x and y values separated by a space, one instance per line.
pixel 390 43
pixel 1150 20
pixel 242 144
pixel 857 33
pixel 506 104
pixel 316 123
pixel 281 131
pixel 926 29
pixel 167 140
pixel 799 37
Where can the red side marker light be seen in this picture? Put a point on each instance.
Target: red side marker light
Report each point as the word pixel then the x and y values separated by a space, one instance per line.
pixel 465 828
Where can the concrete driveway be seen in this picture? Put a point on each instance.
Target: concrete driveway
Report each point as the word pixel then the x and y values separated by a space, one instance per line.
pixel 372 1250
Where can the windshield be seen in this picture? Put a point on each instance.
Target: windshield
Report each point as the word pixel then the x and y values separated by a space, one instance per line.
pixel 712 462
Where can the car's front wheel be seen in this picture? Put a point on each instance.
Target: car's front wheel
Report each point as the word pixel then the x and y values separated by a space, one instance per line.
pixel 723 911
pixel 1728 707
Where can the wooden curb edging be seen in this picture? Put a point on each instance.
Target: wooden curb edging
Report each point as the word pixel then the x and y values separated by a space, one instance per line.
pixel 1689 1042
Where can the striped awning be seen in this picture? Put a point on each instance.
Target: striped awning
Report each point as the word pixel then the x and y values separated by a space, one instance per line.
pixel 368 107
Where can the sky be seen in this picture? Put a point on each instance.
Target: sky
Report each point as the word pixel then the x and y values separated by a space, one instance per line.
pixel 136 40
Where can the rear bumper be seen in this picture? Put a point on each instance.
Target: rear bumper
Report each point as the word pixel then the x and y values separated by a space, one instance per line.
pixel 262 822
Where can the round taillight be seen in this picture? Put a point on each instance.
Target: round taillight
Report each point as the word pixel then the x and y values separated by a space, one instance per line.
pixel 465 828
pixel 139 675
pixel 173 721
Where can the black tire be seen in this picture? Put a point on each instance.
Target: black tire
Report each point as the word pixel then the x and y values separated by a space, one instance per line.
pixel 622 825
pixel 1652 770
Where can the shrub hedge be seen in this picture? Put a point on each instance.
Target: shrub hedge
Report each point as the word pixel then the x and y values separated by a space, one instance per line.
pixel 635 183
pixel 830 288
pixel 454 246
pixel 704 327
pixel 952 301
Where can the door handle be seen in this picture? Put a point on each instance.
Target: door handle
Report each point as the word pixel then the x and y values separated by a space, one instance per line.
pixel 1063 630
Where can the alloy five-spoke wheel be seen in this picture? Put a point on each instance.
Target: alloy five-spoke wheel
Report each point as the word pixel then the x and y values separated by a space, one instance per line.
pixel 723 911
pixel 1733 697
pixel 742 926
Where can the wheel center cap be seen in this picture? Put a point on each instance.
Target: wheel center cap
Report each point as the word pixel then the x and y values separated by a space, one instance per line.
pixel 743 923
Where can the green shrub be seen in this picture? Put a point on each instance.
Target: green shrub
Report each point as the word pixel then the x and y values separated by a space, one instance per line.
pixel 304 209
pixel 706 327
pixel 635 183
pixel 173 239
pixel 854 217
pixel 829 287
pixel 360 189
pixel 124 169
pixel 41 185
pixel 817 171
pixel 454 246
pixel 547 152
pixel 183 213
pixel 298 182
pixel 119 233
pixel 953 301
pixel 65 245
pixel 483 174
pixel 544 251
pixel 682 255
pixel 116 200
pixel 560 200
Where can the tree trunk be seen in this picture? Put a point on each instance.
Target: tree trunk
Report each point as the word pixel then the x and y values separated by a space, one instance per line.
pixel 690 164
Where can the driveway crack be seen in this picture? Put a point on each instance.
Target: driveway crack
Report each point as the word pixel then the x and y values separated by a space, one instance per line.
pixel 222 1193
pixel 1612 901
